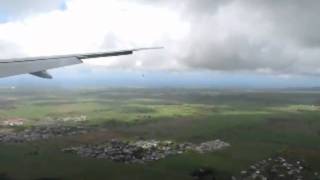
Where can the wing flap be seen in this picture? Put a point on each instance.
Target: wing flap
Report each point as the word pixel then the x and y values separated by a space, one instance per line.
pixel 42 74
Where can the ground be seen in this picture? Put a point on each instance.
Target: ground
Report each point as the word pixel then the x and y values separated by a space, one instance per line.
pixel 257 124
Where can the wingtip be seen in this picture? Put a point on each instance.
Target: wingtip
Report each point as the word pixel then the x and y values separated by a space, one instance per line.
pixel 149 48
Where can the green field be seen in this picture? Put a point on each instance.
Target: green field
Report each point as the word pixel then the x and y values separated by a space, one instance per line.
pixel 257 124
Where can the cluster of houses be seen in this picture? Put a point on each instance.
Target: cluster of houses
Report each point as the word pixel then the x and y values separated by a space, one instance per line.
pixel 142 151
pixel 14 122
pixel 42 133
pixel 278 168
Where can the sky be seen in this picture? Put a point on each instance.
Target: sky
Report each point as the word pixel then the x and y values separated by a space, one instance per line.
pixel 221 43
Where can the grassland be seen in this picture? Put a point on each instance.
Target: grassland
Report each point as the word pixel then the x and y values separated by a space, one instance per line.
pixel 258 124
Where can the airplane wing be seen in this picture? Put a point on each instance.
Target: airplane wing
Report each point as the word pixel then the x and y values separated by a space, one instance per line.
pixel 38 66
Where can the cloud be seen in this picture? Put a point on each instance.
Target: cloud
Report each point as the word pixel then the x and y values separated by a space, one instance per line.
pixel 225 35
pixel 252 35
pixel 17 9
pixel 8 49
pixel 292 19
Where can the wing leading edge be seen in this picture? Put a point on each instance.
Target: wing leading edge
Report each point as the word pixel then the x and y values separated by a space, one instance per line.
pixel 38 65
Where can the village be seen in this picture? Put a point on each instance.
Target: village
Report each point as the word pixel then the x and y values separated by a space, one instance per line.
pixel 274 168
pixel 279 168
pixel 41 133
pixel 142 151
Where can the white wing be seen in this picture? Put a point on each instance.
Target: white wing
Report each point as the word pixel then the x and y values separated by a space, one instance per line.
pixel 38 65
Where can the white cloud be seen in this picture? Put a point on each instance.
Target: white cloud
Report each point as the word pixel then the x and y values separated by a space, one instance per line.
pixel 95 26
pixel 224 35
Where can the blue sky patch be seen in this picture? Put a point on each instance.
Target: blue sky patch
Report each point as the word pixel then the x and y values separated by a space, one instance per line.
pixel 3 17
pixel 63 6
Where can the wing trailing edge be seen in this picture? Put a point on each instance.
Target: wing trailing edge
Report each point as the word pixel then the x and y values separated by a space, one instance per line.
pixel 38 65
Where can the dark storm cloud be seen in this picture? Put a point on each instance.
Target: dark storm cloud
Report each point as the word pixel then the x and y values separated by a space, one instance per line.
pixel 251 35
pixel 295 19
pixel 237 53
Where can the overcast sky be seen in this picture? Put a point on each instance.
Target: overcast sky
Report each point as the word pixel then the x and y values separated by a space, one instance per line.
pixel 278 39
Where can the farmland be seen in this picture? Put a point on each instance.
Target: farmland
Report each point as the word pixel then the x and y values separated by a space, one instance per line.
pixel 257 124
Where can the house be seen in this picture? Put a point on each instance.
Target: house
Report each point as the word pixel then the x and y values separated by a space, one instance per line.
pixel 14 122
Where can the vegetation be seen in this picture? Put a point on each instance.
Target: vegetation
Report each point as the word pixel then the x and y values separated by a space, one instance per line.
pixel 257 124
